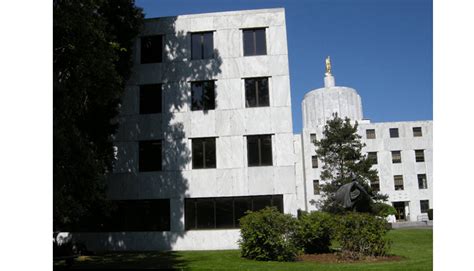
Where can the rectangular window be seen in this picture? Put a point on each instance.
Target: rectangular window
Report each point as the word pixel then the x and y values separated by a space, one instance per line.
pixel 316 188
pixel 151 49
pixel 422 183
pixel 254 42
pixel 140 215
pixel 149 155
pixel 202 45
pixel 204 152
pixel 393 132
pixel 398 182
pixel 312 138
pixel 396 157
pixel 375 185
pixel 372 156
pixel 370 133
pixel 150 99
pixel 202 95
pixel 424 206
pixel 256 92
pixel 314 161
pixel 420 155
pixel 417 132
pixel 224 212
pixel 259 150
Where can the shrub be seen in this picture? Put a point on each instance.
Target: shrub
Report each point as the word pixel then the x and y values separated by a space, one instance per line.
pixel 362 235
pixel 383 209
pixel 268 235
pixel 430 214
pixel 314 232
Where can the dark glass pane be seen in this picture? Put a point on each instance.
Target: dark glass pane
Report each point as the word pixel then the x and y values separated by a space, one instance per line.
pixel 261 202
pixel 424 206
pixel 249 42
pixel 263 98
pixel 224 213
pixel 208 45
pixel 141 215
pixel 198 153
pixel 278 202
pixel 208 98
pixel 151 49
pixel 196 46
pixel 260 42
pixel 149 156
pixel 150 99
pixel 314 161
pixel 266 150
pixel 250 93
pixel 241 205
pixel 253 151
pixel 210 152
pixel 189 214
pixel 196 96
pixel 393 132
pixel 205 214
pixel 417 132
pixel 419 156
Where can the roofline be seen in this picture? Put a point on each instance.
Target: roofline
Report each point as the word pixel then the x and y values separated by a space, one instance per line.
pixel 221 13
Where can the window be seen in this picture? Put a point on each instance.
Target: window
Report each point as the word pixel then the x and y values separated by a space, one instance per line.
pixel 393 132
pixel 420 155
pixel 140 215
pixel 417 132
pixel 225 212
pixel 422 183
pixel 375 185
pixel 254 42
pixel 398 182
pixel 202 45
pixel 396 157
pixel 312 138
pixel 259 150
pixel 150 99
pixel 424 206
pixel 372 156
pixel 204 152
pixel 370 133
pixel 256 92
pixel 314 161
pixel 202 95
pixel 151 49
pixel 149 155
pixel 316 187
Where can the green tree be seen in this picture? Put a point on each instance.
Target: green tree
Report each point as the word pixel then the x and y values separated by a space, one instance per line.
pixel 92 49
pixel 340 151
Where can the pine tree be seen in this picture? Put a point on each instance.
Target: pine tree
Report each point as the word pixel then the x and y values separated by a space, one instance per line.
pixel 340 151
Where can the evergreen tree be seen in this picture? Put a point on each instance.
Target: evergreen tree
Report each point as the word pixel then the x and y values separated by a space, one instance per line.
pixel 340 151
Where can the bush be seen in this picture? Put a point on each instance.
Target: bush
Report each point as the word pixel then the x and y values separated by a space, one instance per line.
pixel 383 209
pixel 430 214
pixel 268 235
pixel 315 231
pixel 362 235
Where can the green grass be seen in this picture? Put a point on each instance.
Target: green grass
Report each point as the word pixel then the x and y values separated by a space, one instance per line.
pixel 414 245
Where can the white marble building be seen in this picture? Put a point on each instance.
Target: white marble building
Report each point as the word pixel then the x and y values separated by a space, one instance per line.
pixel 206 133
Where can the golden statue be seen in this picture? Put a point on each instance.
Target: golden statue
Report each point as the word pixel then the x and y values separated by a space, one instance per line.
pixel 328 66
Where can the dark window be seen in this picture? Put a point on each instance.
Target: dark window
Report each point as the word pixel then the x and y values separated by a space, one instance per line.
pixel 398 182
pixel 202 95
pixel 202 45
pixel 149 156
pixel 256 92
pixel 375 185
pixel 254 42
pixel 372 156
pixel 204 152
pixel 396 157
pixel 424 206
pixel 140 215
pixel 422 183
pixel 225 212
pixel 420 155
pixel 312 138
pixel 417 132
pixel 393 132
pixel 316 188
pixel 259 150
pixel 151 49
pixel 370 133
pixel 150 99
pixel 314 161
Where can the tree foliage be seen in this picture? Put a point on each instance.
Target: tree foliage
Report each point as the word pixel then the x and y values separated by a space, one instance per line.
pixel 340 151
pixel 92 48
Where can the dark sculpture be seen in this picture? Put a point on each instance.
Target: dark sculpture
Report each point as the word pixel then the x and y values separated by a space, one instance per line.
pixel 353 196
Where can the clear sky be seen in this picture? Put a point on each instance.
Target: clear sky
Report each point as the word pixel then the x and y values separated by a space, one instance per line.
pixel 381 48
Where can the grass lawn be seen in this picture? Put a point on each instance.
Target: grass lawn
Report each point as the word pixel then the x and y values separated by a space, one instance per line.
pixel 414 245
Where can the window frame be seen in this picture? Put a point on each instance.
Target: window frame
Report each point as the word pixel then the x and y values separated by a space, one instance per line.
pixel 316 187
pixel 203 142
pixel 417 133
pixel 201 45
pixel 145 59
pixel 422 181
pixel 375 183
pixel 427 205
pixel 254 41
pixel 259 150
pixel 314 161
pixel 147 167
pixel 374 159
pixel 203 106
pixel 392 132
pixel 394 160
pixel 145 90
pixel 420 158
pixel 258 92
pixel 401 186
pixel 369 132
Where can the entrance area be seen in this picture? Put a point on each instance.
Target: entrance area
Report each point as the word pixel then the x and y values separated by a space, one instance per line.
pixel 400 208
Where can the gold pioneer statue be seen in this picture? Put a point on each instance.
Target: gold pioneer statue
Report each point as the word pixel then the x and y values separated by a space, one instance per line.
pixel 328 65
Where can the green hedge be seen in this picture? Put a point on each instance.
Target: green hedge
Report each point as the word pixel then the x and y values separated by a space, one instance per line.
pixel 314 232
pixel 268 235
pixel 383 209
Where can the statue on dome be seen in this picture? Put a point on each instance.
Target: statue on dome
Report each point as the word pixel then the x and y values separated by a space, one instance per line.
pixel 328 66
